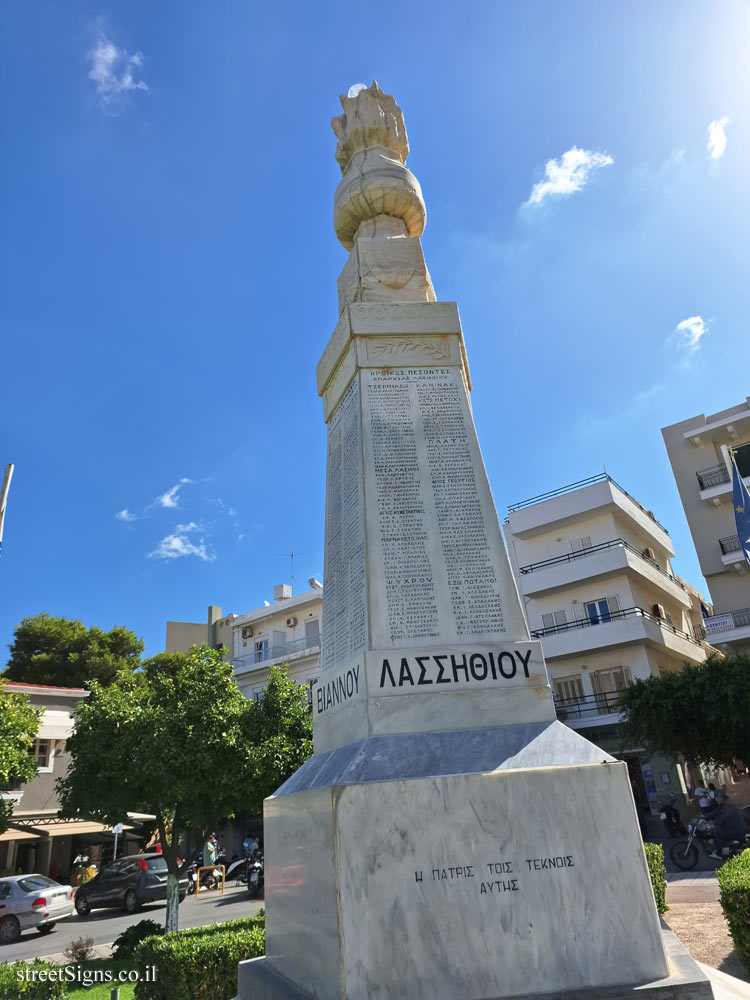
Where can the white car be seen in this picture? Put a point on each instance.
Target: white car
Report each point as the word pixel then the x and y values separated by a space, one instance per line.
pixel 32 901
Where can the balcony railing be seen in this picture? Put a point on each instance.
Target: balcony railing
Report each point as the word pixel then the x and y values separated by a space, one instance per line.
pixel 572 487
pixel 730 544
pixel 588 706
pixel 277 651
pixel 615 543
pixel 610 616
pixel 715 475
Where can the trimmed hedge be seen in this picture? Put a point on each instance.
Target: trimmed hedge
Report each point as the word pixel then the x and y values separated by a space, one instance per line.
pixel 13 988
pixel 126 943
pixel 658 873
pixel 200 963
pixel 734 896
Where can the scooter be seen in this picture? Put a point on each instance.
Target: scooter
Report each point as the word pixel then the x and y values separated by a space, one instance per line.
pixel 672 820
pixel 192 877
pixel 256 878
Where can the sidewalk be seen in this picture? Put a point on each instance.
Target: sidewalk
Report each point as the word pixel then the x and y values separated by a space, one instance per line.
pixel 692 887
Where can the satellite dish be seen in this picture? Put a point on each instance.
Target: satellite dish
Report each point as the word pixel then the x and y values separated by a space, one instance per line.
pixel 355 89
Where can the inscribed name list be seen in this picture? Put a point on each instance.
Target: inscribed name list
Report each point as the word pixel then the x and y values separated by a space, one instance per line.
pixel 433 543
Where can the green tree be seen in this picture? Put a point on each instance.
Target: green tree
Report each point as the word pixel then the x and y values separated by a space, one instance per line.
pixel 278 730
pixel 61 651
pixel 702 711
pixel 19 723
pixel 168 742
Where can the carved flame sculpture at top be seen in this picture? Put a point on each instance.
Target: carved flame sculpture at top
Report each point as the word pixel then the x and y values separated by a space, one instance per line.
pixel 379 211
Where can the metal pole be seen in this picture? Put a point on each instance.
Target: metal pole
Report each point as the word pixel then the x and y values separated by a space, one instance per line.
pixel 727 456
pixel 4 498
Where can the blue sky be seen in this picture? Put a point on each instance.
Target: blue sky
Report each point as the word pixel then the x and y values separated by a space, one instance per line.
pixel 169 268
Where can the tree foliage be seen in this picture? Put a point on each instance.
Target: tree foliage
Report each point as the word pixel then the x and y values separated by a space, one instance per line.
pixel 703 711
pixel 278 729
pixel 63 652
pixel 182 742
pixel 19 723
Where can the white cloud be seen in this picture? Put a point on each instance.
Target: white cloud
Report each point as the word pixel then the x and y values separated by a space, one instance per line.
pixel 114 71
pixel 179 544
pixel 171 497
pixel 568 174
pixel 717 138
pixel 126 515
pixel 688 333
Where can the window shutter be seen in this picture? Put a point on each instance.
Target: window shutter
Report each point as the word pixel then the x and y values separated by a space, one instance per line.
pixel 613 603
pixel 548 621
pixel 560 617
pixel 586 542
pixel 575 544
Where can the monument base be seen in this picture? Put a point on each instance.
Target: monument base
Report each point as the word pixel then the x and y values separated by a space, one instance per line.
pixel 257 980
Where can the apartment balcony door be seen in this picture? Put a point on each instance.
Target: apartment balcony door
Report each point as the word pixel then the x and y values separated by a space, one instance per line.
pixel 607 685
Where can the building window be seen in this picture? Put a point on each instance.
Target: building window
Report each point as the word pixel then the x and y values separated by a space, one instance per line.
pixel 555 618
pixel 569 688
pixel 261 650
pixel 607 684
pixel 42 754
pixel 579 544
pixel 312 633
pixel 602 609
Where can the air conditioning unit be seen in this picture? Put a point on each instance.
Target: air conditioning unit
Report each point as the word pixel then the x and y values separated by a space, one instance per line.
pixel 660 612
pixel 291 622
pixel 247 632
pixel 649 553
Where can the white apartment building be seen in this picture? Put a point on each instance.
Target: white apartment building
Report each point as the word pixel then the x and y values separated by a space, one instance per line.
pixel 705 488
pixel 286 631
pixel 594 573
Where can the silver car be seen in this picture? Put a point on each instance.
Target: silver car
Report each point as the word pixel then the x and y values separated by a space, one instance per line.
pixel 32 901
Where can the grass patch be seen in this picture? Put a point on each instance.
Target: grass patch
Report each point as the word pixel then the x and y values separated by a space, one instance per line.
pixel 102 991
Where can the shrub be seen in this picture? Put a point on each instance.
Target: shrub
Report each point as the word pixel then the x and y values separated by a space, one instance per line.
pixel 199 963
pixel 126 942
pixel 734 886
pixel 80 949
pixel 658 873
pixel 13 988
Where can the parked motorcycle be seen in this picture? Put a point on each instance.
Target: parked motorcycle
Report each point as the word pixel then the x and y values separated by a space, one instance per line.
pixel 672 820
pixel 238 870
pixel 256 878
pixel 685 853
pixel 192 877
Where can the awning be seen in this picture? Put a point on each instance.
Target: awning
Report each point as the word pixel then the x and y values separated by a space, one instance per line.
pixel 75 827
pixel 55 725
pixel 15 834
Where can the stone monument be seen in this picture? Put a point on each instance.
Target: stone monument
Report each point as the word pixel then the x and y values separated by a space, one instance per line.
pixel 449 838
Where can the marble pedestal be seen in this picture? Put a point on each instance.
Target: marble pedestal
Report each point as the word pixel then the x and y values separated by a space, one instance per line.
pixel 460 865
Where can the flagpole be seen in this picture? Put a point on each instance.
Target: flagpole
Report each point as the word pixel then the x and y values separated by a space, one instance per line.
pixel 4 498
pixel 727 456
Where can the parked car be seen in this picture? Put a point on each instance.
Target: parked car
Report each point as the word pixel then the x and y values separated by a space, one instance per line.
pixel 128 882
pixel 32 901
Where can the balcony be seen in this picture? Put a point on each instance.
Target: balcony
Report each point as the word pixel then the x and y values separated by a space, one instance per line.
pixel 732 626
pixel 589 710
pixel 578 502
pixel 598 560
pixel 731 550
pixel 715 482
pixel 715 475
pixel 619 628
pixel 276 653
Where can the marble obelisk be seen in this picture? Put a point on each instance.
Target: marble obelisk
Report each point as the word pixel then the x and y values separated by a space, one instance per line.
pixel 449 838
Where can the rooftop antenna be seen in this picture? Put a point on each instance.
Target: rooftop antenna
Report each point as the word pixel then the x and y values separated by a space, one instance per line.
pixel 291 566
pixel 4 498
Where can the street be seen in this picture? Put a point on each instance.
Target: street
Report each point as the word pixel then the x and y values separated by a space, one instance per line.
pixel 104 925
